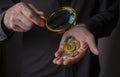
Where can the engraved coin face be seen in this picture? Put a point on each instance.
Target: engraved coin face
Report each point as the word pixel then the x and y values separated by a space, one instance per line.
pixel 70 47
pixel 76 43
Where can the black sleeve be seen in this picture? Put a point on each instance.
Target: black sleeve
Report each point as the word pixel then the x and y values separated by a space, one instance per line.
pixel 4 32
pixel 105 21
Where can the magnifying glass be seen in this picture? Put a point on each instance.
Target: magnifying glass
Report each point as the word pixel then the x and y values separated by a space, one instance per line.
pixel 61 19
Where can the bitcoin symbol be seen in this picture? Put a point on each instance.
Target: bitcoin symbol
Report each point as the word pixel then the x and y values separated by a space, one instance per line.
pixel 69 47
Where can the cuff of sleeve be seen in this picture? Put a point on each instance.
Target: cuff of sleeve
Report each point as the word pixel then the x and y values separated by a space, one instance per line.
pixel 3 36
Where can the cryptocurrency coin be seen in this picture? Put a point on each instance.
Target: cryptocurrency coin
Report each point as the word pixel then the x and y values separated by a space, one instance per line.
pixel 65 55
pixel 76 43
pixel 69 47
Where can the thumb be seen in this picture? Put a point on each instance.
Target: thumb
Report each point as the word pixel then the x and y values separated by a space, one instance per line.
pixel 92 46
pixel 36 10
pixel 40 13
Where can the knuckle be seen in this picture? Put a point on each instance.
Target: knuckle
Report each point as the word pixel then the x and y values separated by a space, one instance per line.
pixel 30 15
pixel 12 26
pixel 13 12
pixel 30 24
pixel 29 27
pixel 20 4
pixel 13 20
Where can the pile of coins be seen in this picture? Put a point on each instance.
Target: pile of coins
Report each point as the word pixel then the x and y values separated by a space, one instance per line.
pixel 70 47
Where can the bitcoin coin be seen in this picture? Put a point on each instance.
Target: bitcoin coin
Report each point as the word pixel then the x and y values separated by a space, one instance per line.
pixel 76 43
pixel 69 47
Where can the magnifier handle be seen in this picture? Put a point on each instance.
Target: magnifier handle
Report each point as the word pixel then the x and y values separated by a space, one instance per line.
pixel 43 17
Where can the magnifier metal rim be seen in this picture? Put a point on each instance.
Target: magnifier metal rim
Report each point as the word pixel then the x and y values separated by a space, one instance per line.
pixel 61 9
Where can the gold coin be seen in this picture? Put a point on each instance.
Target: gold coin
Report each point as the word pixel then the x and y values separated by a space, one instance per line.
pixel 76 43
pixel 69 47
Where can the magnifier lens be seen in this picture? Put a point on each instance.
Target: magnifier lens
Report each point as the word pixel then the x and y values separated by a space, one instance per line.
pixel 61 19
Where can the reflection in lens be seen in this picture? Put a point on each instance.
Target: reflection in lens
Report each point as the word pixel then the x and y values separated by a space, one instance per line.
pixel 71 19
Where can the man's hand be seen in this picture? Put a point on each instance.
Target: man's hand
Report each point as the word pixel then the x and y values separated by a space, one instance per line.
pixel 86 39
pixel 22 16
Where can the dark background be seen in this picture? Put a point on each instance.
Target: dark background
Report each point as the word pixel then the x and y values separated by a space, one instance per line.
pixel 110 52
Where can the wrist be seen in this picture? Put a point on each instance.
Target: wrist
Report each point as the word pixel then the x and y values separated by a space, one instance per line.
pixel 83 26
pixel 6 30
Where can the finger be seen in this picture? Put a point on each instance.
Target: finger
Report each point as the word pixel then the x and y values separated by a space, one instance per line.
pixel 59 52
pixel 60 49
pixel 83 46
pixel 16 28
pixel 13 24
pixel 74 59
pixel 28 24
pixel 20 24
pixel 29 13
pixel 92 46
pixel 40 13
pixel 59 61
pixel 36 10
pixel 55 60
pixel 67 61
